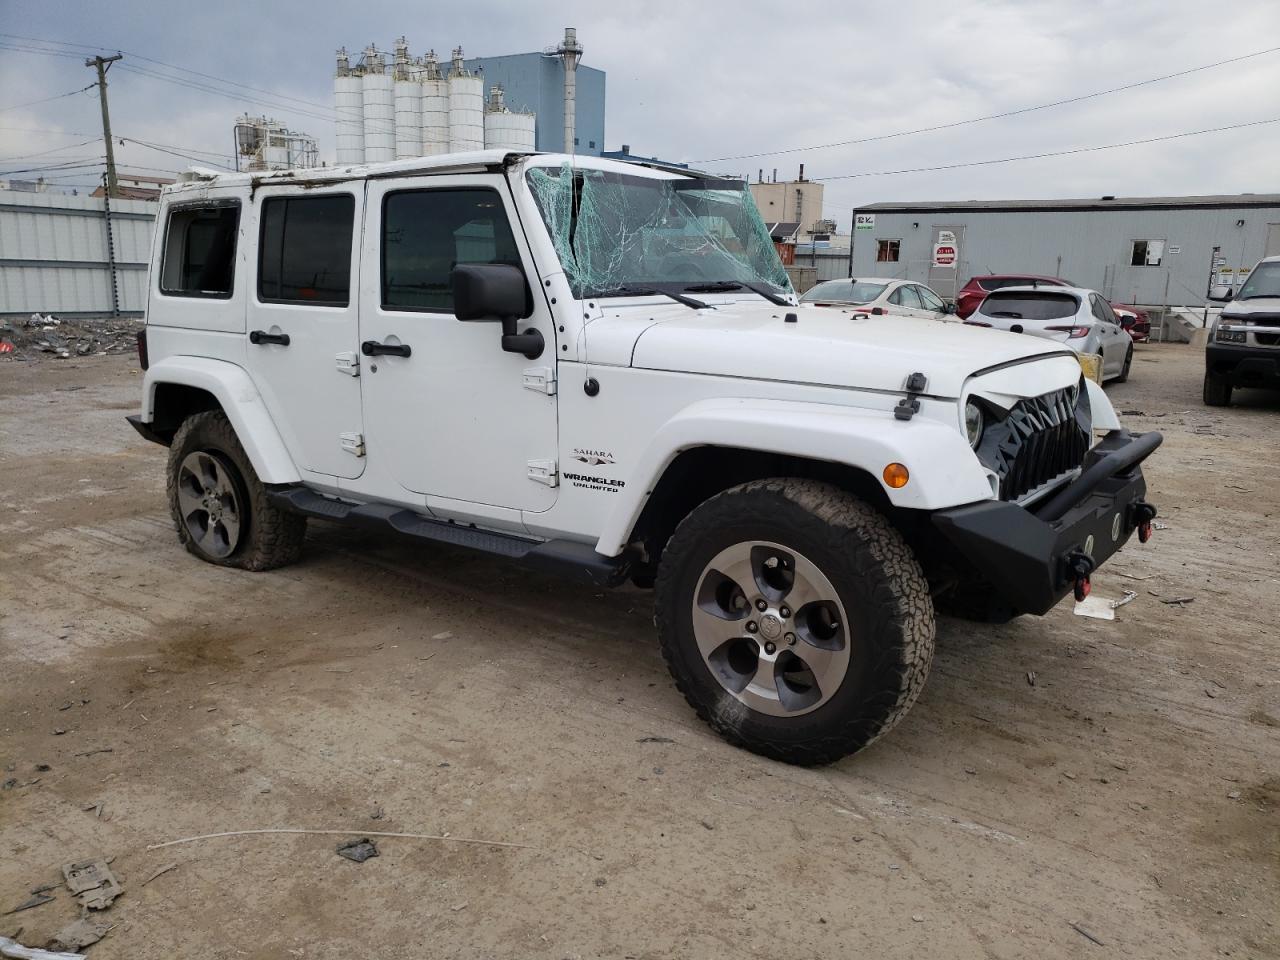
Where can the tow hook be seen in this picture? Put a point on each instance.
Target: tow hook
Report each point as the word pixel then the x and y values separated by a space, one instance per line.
pixel 1141 516
pixel 1080 565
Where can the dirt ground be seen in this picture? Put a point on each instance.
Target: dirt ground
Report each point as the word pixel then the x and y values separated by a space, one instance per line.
pixel 1064 788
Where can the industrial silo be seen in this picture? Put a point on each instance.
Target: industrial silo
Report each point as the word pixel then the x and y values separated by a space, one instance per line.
pixel 379 110
pixel 503 129
pixel 408 103
pixel 466 108
pixel 435 107
pixel 348 104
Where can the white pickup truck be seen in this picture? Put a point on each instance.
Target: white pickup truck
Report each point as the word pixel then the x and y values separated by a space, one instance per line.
pixel 601 368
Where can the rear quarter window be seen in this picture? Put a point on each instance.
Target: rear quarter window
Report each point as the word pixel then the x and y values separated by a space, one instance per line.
pixel 1030 306
pixel 199 257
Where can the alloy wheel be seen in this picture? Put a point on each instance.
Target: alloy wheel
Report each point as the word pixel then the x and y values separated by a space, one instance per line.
pixel 771 628
pixel 210 503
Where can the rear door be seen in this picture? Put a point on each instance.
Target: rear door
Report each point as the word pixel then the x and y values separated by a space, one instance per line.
pixel 1111 334
pixel 302 322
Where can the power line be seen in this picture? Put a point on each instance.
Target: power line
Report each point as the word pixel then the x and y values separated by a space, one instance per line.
pixel 32 103
pixel 995 116
pixel 29 156
pixel 60 166
pixel 1053 153
pixel 175 153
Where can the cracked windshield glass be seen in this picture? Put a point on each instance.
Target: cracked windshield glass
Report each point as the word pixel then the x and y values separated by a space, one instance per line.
pixel 622 233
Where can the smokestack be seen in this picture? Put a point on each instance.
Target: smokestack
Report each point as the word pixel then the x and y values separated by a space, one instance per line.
pixel 570 52
pixel 760 175
pixel 775 174
pixel 802 173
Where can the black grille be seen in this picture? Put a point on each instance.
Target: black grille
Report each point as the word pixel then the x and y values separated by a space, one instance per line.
pixel 1040 438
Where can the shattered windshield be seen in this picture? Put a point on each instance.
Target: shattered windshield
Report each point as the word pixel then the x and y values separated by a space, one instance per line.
pixel 616 230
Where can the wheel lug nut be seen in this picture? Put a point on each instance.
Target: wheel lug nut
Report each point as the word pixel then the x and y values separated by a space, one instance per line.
pixel 751 626
pixel 761 605
pixel 770 648
pixel 785 611
pixel 791 639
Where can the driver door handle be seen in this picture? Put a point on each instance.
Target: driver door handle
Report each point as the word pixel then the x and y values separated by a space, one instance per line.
pixel 372 348
pixel 261 336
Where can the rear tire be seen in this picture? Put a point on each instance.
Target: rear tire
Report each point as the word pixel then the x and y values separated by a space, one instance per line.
pixel 1217 390
pixel 1128 362
pixel 219 506
pixel 848 661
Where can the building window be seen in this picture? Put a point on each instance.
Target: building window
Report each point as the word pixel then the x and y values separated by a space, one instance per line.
pixel 1147 253
pixel 591 144
pixel 887 251
pixel 575 141
pixel 200 252
pixel 305 251
pixel 426 233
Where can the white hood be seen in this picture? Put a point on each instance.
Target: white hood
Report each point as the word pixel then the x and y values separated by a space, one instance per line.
pixel 824 346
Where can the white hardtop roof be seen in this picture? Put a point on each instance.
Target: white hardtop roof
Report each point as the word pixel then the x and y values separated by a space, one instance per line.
pixel 468 162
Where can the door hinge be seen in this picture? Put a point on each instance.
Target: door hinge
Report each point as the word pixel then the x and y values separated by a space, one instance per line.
pixel 540 380
pixel 348 362
pixel 544 471
pixel 353 443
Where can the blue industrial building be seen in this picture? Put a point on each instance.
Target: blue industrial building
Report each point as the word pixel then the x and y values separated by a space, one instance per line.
pixel 534 82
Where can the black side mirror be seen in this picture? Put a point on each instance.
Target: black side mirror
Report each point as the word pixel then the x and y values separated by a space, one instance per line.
pixel 497 291
pixel 1221 293
pixel 949 307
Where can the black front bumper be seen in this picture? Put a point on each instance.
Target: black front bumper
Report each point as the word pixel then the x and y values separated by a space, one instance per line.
pixel 1031 557
pixel 1243 365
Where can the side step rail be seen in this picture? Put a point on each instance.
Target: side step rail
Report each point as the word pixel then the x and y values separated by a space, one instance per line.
pixel 577 561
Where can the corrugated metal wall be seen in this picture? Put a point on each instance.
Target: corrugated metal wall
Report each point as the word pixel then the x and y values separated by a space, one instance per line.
pixel 53 254
pixel 1091 248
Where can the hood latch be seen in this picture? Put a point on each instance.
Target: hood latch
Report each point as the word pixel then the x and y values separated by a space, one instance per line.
pixel 909 406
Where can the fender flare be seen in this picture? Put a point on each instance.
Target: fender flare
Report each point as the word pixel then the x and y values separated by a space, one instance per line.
pixel 240 401
pixel 944 470
pixel 1101 412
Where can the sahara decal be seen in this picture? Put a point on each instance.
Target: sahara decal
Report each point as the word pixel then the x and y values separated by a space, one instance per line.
pixel 593 458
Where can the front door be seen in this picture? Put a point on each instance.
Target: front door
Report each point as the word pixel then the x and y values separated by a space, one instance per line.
pixel 302 322
pixel 450 414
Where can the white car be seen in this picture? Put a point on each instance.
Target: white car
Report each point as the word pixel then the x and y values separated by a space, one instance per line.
pixel 1082 319
pixel 877 295
pixel 599 368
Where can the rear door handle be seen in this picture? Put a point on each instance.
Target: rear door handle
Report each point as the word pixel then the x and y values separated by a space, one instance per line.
pixel 261 336
pixel 372 348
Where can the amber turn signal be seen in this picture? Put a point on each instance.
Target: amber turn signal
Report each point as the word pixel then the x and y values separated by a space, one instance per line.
pixel 896 475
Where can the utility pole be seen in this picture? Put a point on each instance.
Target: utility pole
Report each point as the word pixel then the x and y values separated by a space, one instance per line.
pixel 104 64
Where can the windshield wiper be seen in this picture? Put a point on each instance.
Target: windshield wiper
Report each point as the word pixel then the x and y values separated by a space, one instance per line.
pixel 629 291
pixel 723 286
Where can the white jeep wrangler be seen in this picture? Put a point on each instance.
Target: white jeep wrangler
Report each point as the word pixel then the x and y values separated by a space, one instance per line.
pixel 601 368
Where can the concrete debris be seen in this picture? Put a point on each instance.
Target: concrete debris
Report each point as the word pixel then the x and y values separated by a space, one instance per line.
pixel 62 339
pixel 358 850
pixel 79 934
pixel 15 950
pixel 92 883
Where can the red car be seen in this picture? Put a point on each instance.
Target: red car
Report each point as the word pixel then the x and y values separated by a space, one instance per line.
pixel 976 290
pixel 1135 321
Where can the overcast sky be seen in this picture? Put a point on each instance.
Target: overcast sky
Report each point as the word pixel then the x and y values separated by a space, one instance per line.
pixel 695 81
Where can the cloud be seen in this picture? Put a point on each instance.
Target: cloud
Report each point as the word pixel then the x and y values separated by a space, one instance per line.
pixel 695 81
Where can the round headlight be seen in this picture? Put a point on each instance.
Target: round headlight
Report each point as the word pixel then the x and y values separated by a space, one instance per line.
pixel 973 423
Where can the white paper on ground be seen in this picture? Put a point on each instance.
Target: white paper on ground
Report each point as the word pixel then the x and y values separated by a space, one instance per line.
pixel 1095 606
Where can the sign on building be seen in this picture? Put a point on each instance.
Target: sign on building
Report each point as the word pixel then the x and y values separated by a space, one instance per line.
pixel 944 255
pixel 864 221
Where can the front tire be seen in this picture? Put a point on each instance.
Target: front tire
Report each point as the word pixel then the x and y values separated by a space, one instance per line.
pixel 1217 390
pixel 219 506
pixel 794 619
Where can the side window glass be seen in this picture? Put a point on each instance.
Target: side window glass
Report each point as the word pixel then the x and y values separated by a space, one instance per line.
pixel 304 254
pixel 896 297
pixel 909 297
pixel 426 233
pixel 200 252
pixel 930 300
pixel 1095 303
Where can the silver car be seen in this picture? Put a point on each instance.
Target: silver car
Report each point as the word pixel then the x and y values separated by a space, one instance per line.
pixel 877 295
pixel 1081 319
